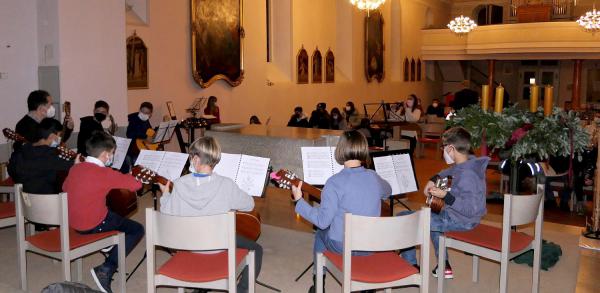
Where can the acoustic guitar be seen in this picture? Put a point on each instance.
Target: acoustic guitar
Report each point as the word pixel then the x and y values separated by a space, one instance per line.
pixel 143 144
pixel 285 179
pixel 12 135
pixel 248 224
pixel 435 203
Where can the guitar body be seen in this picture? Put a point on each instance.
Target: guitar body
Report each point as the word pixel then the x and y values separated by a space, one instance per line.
pixel 142 144
pixel 122 202
pixel 435 203
pixel 247 224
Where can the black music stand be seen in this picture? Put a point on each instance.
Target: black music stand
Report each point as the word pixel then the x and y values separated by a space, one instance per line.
pixel 395 198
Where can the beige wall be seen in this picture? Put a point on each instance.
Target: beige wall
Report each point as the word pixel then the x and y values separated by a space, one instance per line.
pixel 322 23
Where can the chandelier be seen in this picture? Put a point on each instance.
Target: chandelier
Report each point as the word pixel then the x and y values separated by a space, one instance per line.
pixel 590 21
pixel 462 25
pixel 367 4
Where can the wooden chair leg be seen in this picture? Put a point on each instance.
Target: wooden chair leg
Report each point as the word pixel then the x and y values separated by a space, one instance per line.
pixel 319 264
pixel 122 267
pixel 251 272
pixel 535 284
pixel 79 264
pixel 66 264
pixel 441 264
pixel 23 268
pixel 504 274
pixel 475 268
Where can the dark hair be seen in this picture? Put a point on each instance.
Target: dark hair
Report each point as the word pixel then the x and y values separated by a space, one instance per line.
pixel 101 104
pixel 415 102
pixel 352 146
pixel 147 105
pixel 99 142
pixel 254 120
pixel 47 127
pixel 335 110
pixel 298 109
pixel 351 104
pixel 459 138
pixel 36 99
pixel 322 106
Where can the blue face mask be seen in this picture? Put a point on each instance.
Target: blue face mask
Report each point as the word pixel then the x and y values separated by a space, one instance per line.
pixel 110 161
pixel 55 143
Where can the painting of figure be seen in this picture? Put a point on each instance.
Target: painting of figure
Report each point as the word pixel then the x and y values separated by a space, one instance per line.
pixel 329 67
pixel 217 41
pixel 374 46
pixel 302 66
pixel 317 67
pixel 137 63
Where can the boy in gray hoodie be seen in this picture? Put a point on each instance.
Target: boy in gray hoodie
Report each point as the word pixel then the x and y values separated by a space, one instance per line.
pixel 465 202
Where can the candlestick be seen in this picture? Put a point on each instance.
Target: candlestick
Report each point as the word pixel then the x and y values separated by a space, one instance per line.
pixel 534 98
pixel 548 100
pixel 499 99
pixel 485 97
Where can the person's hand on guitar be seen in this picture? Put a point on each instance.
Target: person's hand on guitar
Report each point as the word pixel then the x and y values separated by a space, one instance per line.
pixel 297 192
pixel 78 159
pixel 428 187
pixel 69 122
pixel 438 192
pixel 165 188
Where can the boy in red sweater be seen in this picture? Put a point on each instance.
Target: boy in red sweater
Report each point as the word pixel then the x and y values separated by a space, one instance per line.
pixel 86 186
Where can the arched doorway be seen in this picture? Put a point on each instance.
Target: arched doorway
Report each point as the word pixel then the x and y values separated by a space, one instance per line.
pixel 488 14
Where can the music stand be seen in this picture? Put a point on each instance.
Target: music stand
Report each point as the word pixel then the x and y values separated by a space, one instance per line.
pixel 395 198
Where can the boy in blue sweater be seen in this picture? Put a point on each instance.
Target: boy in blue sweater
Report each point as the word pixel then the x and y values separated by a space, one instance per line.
pixel 465 202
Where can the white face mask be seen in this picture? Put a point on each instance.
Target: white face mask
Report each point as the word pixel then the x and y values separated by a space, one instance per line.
pixel 435 105
pixel 143 117
pixel 51 112
pixel 335 116
pixel 191 168
pixel 55 143
pixel 348 108
pixel 449 160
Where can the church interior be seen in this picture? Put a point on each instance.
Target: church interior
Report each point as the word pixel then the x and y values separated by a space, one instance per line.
pixel 467 124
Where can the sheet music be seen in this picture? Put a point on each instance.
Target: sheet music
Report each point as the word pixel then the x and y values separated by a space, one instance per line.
pixel 318 164
pixel 172 165
pixel 384 166
pixel 120 151
pixel 165 131
pixel 248 172
pixel 228 165
pixel 167 164
pixel 405 173
pixel 251 174
pixel 397 171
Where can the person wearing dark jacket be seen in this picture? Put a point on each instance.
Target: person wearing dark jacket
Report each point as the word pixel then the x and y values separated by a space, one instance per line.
pixel 37 165
pixel 465 204
pixel 39 104
pixel 298 119
pixel 436 108
pixel 320 118
pixel 139 124
pixel 89 124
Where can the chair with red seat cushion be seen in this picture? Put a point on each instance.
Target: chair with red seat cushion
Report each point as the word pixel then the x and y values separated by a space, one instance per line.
pixel 190 267
pixel 62 243
pixel 431 133
pixel 501 244
pixel 7 186
pixel 383 268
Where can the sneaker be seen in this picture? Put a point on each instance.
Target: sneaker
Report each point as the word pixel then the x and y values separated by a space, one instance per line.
pixel 107 249
pixel 447 272
pixel 103 277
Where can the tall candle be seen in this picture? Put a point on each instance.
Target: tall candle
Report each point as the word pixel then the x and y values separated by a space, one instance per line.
pixel 485 97
pixel 499 99
pixel 548 100
pixel 534 98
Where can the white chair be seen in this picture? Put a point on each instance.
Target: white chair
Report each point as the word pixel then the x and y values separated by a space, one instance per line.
pixel 189 268
pixel 63 243
pixel 384 268
pixel 493 242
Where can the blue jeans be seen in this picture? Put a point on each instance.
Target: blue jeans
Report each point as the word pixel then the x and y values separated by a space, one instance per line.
pixel 440 223
pixel 133 230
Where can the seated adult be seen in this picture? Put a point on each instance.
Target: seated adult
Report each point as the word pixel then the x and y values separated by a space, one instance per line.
pixel 298 119
pixel 213 109
pixel 89 124
pixel 39 104
pixel 353 119
pixel 320 118
pixel 436 108
pixel 337 120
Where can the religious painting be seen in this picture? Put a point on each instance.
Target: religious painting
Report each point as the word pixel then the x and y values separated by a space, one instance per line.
pixel 412 69
pixel 374 46
pixel 329 67
pixel 217 41
pixel 317 67
pixel 302 66
pixel 137 63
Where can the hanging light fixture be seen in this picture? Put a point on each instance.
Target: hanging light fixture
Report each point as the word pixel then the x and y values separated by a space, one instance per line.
pixel 462 25
pixel 590 21
pixel 367 4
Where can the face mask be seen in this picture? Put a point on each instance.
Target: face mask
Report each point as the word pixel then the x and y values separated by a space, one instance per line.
pixel 335 116
pixel 110 161
pixel 447 157
pixel 348 108
pixel 143 117
pixel 99 116
pixel 191 168
pixel 409 103
pixel 51 112
pixel 435 105
pixel 55 143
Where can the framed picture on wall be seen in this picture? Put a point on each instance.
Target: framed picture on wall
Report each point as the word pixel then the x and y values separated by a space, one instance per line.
pixel 302 66
pixel 217 41
pixel 137 63
pixel 374 46
pixel 317 66
pixel 329 67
